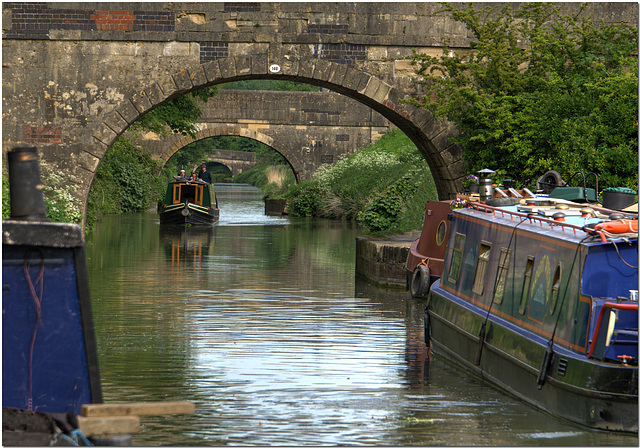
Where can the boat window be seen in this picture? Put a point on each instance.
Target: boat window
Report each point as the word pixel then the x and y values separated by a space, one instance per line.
pixel 481 267
pixel 177 190
pixel 456 259
pixel 198 199
pixel 441 233
pixel 525 286
pixel 189 194
pixel 555 289
pixel 501 276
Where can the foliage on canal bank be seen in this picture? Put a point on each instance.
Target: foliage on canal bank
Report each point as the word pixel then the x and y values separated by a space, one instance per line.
pixel 273 180
pixel 539 90
pixel 384 187
pixel 61 206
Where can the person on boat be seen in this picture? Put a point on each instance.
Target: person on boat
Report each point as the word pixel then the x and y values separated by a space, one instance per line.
pixel 182 175
pixel 205 175
pixel 194 177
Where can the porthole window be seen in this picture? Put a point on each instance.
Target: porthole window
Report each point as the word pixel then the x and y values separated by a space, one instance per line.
pixel 441 233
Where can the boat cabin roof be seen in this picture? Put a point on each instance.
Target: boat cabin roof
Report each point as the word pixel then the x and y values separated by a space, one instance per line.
pixel 558 218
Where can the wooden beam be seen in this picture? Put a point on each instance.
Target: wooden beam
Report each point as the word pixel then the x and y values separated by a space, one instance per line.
pixel 138 408
pixel 93 426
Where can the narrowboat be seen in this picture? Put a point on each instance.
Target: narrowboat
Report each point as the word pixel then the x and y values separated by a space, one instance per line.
pixel 51 388
pixel 425 259
pixel 538 296
pixel 49 354
pixel 189 202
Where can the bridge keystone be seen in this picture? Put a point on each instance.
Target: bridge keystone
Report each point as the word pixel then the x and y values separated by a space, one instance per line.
pixel 259 64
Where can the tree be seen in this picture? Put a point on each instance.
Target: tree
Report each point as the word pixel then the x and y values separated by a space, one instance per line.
pixel 539 90
pixel 179 114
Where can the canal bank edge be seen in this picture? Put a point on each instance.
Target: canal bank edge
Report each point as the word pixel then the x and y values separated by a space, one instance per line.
pixel 378 260
pixel 382 260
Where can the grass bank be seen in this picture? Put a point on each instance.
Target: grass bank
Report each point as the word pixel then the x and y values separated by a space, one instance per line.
pixel 383 187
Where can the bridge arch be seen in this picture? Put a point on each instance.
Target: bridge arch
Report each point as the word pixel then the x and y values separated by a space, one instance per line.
pixel 431 136
pixel 174 143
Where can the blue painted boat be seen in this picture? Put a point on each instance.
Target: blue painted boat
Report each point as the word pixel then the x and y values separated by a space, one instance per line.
pixel 538 296
pixel 49 355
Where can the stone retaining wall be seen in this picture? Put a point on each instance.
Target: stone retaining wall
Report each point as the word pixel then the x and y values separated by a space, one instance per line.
pixel 382 261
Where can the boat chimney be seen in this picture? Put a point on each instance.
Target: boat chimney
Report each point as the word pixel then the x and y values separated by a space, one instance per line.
pixel 485 188
pixel 25 185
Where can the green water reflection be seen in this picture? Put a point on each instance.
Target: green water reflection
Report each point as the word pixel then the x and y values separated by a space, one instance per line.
pixel 261 322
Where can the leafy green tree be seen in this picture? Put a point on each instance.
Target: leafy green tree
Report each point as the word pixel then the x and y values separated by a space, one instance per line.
pixel 539 90
pixel 179 114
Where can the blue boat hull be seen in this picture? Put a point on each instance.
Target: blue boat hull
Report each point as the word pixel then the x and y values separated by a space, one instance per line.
pixel 49 356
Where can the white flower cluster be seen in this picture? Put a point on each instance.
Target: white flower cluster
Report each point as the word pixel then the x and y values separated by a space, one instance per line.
pixel 364 160
pixel 58 193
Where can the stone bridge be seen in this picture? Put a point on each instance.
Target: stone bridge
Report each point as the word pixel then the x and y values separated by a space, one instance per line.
pixel 308 128
pixel 237 161
pixel 76 75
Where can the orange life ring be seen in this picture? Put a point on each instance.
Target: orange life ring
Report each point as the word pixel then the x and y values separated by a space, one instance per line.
pixel 618 226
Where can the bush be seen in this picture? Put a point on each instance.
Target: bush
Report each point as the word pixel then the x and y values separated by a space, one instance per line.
pixel 306 199
pixel 125 182
pixel 384 187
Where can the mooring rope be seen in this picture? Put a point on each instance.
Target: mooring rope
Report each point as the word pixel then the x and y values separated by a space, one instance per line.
pixel 37 300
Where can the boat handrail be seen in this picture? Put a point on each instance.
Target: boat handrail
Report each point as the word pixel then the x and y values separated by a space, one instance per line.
pixel 531 216
pixel 606 306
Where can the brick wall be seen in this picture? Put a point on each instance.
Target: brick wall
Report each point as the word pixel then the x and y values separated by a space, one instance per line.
pixel 241 6
pixel 36 20
pixel 341 53
pixel 210 51
pixel 327 29
pixel 43 134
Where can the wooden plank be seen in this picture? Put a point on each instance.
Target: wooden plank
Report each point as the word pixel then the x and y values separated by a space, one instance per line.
pixel 138 408
pixel 93 426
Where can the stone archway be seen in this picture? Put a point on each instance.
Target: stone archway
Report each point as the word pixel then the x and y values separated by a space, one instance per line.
pixel 431 136
pixel 176 142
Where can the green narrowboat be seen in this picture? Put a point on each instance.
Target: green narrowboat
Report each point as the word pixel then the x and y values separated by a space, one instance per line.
pixel 189 202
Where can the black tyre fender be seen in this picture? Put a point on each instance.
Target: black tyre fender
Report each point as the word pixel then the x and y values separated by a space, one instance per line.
pixel 427 328
pixel 549 180
pixel 501 202
pixel 420 282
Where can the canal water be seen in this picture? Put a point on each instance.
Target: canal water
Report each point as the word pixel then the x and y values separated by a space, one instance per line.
pixel 261 323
